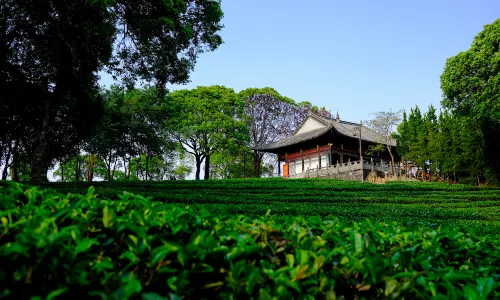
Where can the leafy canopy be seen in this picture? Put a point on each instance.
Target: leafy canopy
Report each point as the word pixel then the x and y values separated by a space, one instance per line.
pixel 52 50
pixel 471 89
pixel 205 120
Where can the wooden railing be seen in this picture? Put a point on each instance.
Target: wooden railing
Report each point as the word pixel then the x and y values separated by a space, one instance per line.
pixel 350 166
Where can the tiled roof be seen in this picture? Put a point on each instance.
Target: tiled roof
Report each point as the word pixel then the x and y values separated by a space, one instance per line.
pixel 295 139
pixel 347 129
pixel 342 127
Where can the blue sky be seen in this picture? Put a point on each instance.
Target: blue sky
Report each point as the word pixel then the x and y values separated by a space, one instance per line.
pixel 358 57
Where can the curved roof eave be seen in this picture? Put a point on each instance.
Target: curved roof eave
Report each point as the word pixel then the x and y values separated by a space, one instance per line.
pixel 294 139
pixel 342 127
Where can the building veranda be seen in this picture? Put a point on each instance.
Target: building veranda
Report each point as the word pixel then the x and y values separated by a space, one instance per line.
pixel 326 147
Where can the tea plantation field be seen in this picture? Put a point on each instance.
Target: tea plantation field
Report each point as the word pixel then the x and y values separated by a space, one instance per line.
pixel 249 239
pixel 410 203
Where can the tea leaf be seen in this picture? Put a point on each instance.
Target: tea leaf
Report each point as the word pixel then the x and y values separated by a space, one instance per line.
pixel 290 260
pixel 390 286
pixel 152 296
pixel 85 245
pixel 161 252
pixel 120 245
pixel 56 293
pixel 107 217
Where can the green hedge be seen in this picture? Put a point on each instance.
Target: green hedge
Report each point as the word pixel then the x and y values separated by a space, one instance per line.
pixel 82 246
pixel 413 204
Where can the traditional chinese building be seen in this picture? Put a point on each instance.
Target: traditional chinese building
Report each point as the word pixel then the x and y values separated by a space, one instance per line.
pixel 326 147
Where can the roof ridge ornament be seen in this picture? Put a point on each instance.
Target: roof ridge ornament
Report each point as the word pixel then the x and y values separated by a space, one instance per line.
pixel 337 118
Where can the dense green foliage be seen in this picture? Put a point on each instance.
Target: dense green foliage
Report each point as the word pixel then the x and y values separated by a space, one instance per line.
pixel 130 127
pixel 53 109
pixel 448 147
pixel 460 144
pixel 205 120
pixel 51 52
pixel 144 137
pixel 81 245
pixel 229 239
pixel 471 89
pixel 411 203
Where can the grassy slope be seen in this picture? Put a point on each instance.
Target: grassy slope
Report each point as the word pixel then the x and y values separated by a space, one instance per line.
pixel 410 203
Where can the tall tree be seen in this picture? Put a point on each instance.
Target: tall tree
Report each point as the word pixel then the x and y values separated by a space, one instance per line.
pixel 205 120
pixel 450 146
pixel 270 117
pixel 384 123
pixel 51 51
pixel 73 169
pixel 109 143
pixel 471 88
pixel 233 161
pixel 415 125
pixel 429 138
pixel 145 113
pixel 131 125
pixel 153 167
pixel 403 140
pixel 54 49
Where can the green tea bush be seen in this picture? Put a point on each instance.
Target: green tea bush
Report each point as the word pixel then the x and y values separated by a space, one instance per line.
pixel 470 208
pixel 55 245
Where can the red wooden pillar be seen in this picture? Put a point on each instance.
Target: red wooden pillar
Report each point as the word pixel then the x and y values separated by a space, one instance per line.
pixel 286 167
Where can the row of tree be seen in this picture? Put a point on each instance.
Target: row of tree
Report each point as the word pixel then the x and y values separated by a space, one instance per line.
pixel 445 146
pixel 52 51
pixel 144 136
pixel 54 113
pixel 53 110
pixel 462 143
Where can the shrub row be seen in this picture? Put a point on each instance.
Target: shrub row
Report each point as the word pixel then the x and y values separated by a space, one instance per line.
pixel 73 245
pixel 470 208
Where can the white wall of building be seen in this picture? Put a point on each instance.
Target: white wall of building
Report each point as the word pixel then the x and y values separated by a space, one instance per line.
pixel 310 125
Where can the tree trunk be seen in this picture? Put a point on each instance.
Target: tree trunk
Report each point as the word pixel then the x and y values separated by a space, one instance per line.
pixel 108 165
pixel 128 176
pixel 147 165
pixel 90 168
pixel 114 169
pixel 62 172
pixel 14 175
pixel 77 168
pixel 392 161
pixel 207 167
pixel 198 167
pixel 126 167
pixel 7 158
pixel 40 158
pixel 256 163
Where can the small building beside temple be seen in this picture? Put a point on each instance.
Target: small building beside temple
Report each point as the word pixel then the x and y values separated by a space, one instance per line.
pixel 326 147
